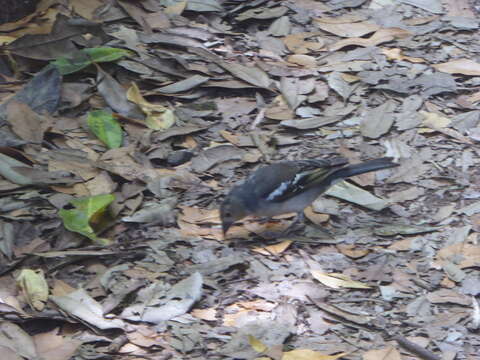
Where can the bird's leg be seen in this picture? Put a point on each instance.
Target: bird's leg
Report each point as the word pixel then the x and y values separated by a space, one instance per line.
pixel 297 223
pixel 323 230
pixel 299 218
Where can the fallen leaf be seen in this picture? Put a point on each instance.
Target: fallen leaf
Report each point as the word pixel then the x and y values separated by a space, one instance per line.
pixel 275 249
pixel 459 66
pixel 379 37
pixel 337 281
pixel 388 353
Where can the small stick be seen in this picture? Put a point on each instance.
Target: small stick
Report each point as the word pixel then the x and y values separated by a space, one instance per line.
pixel 415 349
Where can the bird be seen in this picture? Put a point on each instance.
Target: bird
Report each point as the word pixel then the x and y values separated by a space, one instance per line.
pixel 290 186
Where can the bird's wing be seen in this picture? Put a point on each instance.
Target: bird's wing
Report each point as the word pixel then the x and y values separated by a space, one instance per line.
pixel 283 180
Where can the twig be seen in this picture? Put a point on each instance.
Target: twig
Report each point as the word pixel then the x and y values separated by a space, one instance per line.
pixel 258 119
pixel 415 349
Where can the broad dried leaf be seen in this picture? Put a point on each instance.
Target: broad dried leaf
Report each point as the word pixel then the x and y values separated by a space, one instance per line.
pixel 388 353
pixel 349 192
pixel 52 346
pixel 179 299
pixel 459 66
pixel 115 95
pixel 275 249
pixel 346 28
pixel 82 306
pixel 184 85
pixel 250 74
pixel 15 338
pixel 379 37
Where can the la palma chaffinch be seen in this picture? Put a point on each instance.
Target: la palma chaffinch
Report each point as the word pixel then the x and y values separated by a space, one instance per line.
pixel 290 186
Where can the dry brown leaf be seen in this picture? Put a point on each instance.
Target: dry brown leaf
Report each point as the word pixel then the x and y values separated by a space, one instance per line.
pixel 401 245
pixel 350 251
pixel 296 42
pixel 349 78
pixel 306 354
pixel 345 27
pixel 189 229
pixel 259 304
pixel 144 336
pixel 302 60
pixel 316 218
pixel 381 36
pixel 275 249
pixel 279 109
pixel 275 227
pixel 388 353
pixel 433 121
pixel 87 8
pixel 475 97
pixel 209 314
pixel 61 288
pixel 396 54
pixel 469 253
pixel 421 20
pixel 448 296
pixel 447 283
pixel 26 123
pixel 459 66
pixel 337 281
pixel 52 346
pixel 459 8
pixel 196 215
pixel 189 142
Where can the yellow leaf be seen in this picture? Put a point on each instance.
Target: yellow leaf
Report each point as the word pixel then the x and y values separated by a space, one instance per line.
pixel 159 117
pixel 35 287
pixel 256 344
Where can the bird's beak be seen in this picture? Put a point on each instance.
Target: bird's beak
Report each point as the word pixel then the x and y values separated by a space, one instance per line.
pixel 225 226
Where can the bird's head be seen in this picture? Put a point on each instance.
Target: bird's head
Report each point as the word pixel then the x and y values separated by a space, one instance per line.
pixel 231 210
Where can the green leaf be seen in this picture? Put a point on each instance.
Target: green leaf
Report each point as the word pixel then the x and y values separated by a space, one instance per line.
pixel 72 63
pixel 106 54
pixel 105 127
pixel 85 57
pixel 87 211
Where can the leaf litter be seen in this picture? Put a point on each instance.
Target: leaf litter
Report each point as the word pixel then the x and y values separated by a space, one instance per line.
pixel 143 115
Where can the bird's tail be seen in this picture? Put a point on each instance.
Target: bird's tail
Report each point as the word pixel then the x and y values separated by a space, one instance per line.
pixel 364 167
